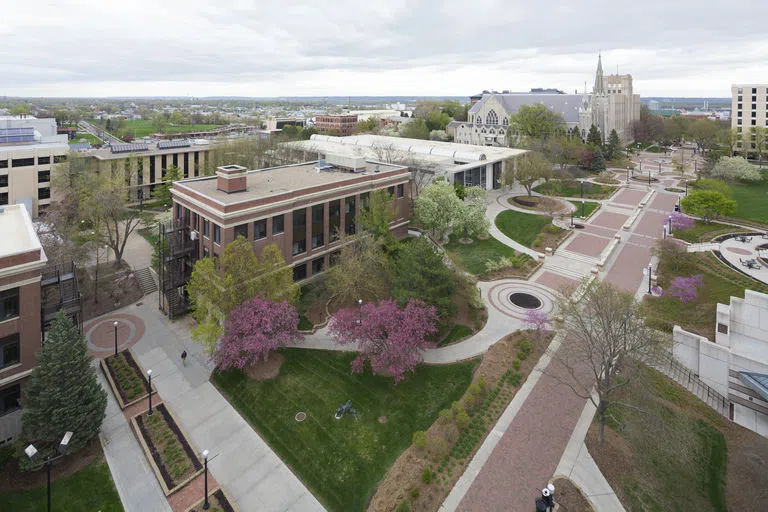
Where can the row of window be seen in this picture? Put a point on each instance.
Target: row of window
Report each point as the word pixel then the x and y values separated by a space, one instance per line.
pixel 27 162
pixel 9 304
pixel 740 90
pixel 754 122
pixel 754 112
pixel 9 399
pixel 490 118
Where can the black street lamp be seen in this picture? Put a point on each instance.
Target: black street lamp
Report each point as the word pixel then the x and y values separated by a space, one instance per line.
pixel 582 189
pixel 664 229
pixel 206 505
pixel 650 271
pixel 669 221
pixel 32 454
pixel 649 176
pixel 582 208
pixel 360 304
pixel 627 174
pixel 686 187
pixel 115 324
pixel 571 218
pixel 149 391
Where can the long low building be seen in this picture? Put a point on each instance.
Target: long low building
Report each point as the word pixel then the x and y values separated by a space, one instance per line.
pixel 427 159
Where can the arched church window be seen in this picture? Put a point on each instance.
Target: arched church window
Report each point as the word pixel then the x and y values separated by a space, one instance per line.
pixel 505 121
pixel 492 131
pixel 482 131
pixel 492 118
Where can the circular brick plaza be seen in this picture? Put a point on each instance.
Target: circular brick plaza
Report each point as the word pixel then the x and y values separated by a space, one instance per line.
pixel 100 333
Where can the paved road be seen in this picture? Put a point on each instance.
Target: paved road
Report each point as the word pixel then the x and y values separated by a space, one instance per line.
pixel 98 132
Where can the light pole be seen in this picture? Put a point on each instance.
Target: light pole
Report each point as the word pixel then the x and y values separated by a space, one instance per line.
pixel 664 229
pixel 649 176
pixel 582 208
pixel 686 188
pixel 206 505
pixel 571 218
pixel 627 174
pixel 32 454
pixel 582 190
pixel 115 324
pixel 149 392
pixel 650 270
pixel 669 221
pixel 360 304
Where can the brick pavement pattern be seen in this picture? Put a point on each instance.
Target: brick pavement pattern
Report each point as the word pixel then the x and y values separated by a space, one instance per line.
pixel 555 281
pixel 610 220
pixel 627 271
pixel 629 196
pixel 587 244
pixel 651 224
pixel 664 201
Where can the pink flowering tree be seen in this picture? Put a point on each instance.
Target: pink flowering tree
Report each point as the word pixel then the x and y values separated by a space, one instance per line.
pixel 685 288
pixel 253 330
pixel 681 222
pixel 390 338
pixel 537 321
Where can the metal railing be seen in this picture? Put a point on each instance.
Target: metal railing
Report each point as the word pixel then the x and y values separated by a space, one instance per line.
pixel 675 370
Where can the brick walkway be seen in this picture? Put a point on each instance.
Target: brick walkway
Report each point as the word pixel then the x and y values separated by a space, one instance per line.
pixel 588 245
pixel 627 271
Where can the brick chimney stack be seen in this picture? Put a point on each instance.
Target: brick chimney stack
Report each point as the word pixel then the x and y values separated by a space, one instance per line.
pixel 231 178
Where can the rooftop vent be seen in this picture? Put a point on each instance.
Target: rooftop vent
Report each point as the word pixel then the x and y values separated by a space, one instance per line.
pixel 231 178
pixel 351 163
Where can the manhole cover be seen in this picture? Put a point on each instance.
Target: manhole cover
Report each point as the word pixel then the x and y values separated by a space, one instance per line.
pixel 525 300
pixel 301 416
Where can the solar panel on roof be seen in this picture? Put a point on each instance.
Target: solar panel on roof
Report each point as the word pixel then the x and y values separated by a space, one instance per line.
pixel 128 148
pixel 168 144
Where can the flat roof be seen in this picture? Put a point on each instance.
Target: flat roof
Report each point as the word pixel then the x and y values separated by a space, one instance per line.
pixel 37 146
pixel 105 153
pixel 17 232
pixel 263 183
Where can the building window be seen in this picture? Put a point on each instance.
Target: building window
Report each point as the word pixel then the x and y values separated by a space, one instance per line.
pixel 300 272
pixel 492 118
pixel 186 165
pixel 9 399
pixel 206 228
pixel 754 107
pixel 3 180
pixel 22 162
pixel 299 232
pixel 9 350
pixel 44 193
pixel 391 191
pixel 754 98
pixel 738 106
pixel 318 265
pixel 57 159
pixel 400 191
pixel 43 160
pixel 318 217
pixel 260 229
pixel 278 224
pixel 3 164
pixel 334 220
pixel 754 90
pixel 175 159
pixel 217 233
pixel 365 200
pixel 754 122
pixel 505 122
pixel 3 198
pixel 739 98
pixel 241 230
pixel 349 215
pixel 9 304
pixel 738 121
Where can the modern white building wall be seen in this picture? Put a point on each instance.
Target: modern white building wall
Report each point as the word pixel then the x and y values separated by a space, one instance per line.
pixel 736 363
pixel 749 107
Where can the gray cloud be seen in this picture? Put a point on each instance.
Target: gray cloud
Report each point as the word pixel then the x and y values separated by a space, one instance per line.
pixel 679 47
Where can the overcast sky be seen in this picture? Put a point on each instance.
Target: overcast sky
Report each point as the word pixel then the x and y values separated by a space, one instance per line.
pixel 372 47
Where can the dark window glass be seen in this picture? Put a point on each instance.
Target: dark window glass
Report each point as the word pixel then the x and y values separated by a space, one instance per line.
pixel 22 162
pixel 739 98
pixel 300 272
pixel 3 164
pixel 391 191
pixel 163 165
pixel 365 200
pixel 9 399
pixel 175 159
pixel 57 159
pixel 9 304
pixel 318 213
pixel 217 233
pixel 260 229
pixel 334 220
pixel 299 232
pixel 349 215
pixel 3 180
pixel 206 228
pixel 3 197
pixel 722 328
pixel 754 114
pixel 44 193
pixel 317 265
pixel 152 169
pixel 178 211
pixel 738 106
pixel 400 190
pixel 9 350
pixel 241 230
pixel 43 160
pixel 186 165
pixel 278 224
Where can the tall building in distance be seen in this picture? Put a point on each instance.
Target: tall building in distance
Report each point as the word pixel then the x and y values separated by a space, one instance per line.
pixel 30 148
pixel 341 125
pixel 749 107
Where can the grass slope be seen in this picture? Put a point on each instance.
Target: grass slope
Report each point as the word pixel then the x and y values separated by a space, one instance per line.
pixel 752 200
pixel 472 257
pixel 703 232
pixel 573 189
pixel 88 490
pixel 143 127
pixel 589 207
pixel 521 227
pixel 342 461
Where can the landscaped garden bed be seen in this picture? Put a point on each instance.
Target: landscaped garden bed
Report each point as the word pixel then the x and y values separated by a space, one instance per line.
pixel 535 231
pixel 490 259
pixel 218 501
pixel 573 188
pixel 169 451
pixel 538 203
pixel 342 461
pixel 704 232
pixel 126 378
pixel 426 472
pixel 589 207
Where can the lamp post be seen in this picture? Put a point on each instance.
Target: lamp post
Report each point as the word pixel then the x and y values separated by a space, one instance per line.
pixel 32 455
pixel 571 218
pixel 664 229
pixel 360 304
pixel 206 505
pixel 650 270
pixel 686 188
pixel 627 174
pixel 115 324
pixel 649 176
pixel 669 222
pixel 582 208
pixel 582 189
pixel 149 392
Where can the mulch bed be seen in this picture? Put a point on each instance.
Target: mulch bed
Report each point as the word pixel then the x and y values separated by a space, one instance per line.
pixel 218 501
pixel 266 370
pixel 170 482
pixel 119 379
pixel 115 290
pixel 569 497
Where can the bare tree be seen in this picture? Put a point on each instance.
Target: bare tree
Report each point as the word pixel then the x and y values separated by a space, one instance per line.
pixel 606 345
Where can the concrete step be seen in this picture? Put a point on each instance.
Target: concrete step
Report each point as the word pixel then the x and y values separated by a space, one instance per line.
pixel 146 280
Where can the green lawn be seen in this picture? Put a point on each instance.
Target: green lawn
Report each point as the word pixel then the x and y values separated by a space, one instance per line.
pixel 521 227
pixel 589 207
pixel 572 188
pixel 89 490
pixel 752 200
pixel 703 232
pixel 95 141
pixel 342 461
pixel 456 333
pixel 472 257
pixel 142 127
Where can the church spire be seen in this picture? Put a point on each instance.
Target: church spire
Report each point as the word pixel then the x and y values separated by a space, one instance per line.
pixel 599 86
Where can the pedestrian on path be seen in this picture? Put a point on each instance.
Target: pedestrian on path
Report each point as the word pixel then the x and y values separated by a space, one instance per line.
pixel 184 358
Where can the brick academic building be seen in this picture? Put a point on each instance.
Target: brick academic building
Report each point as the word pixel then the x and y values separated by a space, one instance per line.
pixel 301 208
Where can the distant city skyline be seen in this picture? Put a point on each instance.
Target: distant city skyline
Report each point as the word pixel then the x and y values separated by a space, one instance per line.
pixel 88 48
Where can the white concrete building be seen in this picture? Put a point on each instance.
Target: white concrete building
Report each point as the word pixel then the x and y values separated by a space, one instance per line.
pixel 736 364
pixel 749 107
pixel 30 148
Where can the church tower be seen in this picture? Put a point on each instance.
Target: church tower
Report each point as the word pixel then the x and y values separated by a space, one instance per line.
pixel 599 88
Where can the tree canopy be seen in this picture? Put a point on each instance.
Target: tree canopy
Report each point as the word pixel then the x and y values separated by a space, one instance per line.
pixel 416 129
pixel 362 270
pixel 163 191
pixel 536 121
pixel 376 218
pixel 708 204
pixel 594 138
pixel 528 169
pixel 438 208
pixel 421 273
pixel 735 169
pixel 613 146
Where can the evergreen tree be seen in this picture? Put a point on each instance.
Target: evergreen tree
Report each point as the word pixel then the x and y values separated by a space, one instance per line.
pixel 421 273
pixel 598 162
pixel 163 191
pixel 63 393
pixel 594 138
pixel 614 143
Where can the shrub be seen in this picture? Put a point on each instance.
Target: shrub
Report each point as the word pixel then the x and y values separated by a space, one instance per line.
pixel 426 476
pixel 522 355
pixel 414 493
pixel 481 382
pixel 437 447
pixel 516 364
pixel 445 416
pixel 462 419
pixel 515 379
pixel 552 229
pixel 404 506
pixel 451 433
pixel 525 346
pixel 420 439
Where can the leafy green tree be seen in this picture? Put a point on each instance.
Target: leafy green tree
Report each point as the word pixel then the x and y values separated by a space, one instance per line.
pixel 472 222
pixel 735 169
pixel 613 145
pixel 416 129
pixel 528 169
pixel 708 204
pixel 536 121
pixel 716 185
pixel 704 132
pixel 455 109
pixel 594 138
pixel 367 125
pixel 362 270
pixel 163 191
pixel 649 127
pixel 598 162
pixel 160 123
pixel 438 208
pixel 63 394
pixel 421 273
pixel 21 109
pixel 377 217
pixel 437 120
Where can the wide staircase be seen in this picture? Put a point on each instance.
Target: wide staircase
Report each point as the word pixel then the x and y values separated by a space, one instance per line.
pixel 146 280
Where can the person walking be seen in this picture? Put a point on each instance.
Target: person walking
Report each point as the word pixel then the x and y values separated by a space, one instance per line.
pixel 184 358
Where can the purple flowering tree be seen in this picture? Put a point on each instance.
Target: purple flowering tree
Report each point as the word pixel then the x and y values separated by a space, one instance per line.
pixel 390 338
pixel 681 222
pixel 685 288
pixel 255 329
pixel 537 321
